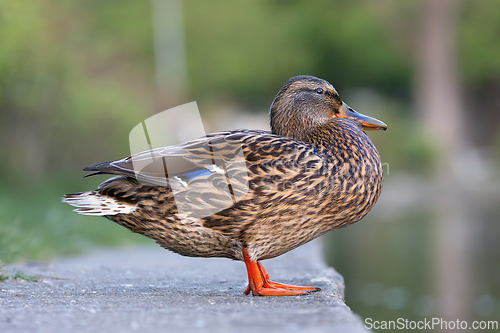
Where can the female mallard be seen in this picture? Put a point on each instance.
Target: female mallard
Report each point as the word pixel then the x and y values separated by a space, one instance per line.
pixel 315 171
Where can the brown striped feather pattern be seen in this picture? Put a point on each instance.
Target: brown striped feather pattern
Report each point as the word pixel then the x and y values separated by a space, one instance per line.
pixel 314 172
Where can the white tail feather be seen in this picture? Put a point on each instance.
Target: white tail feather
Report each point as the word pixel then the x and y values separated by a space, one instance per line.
pixel 92 203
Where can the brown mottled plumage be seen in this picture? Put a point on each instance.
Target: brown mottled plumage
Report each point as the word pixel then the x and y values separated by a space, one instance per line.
pixel 316 171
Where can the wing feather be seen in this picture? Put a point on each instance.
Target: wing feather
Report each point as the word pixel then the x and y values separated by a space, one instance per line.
pixel 215 172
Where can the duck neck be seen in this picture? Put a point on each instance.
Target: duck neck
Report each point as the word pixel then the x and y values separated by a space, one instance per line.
pixel 332 133
pixel 342 135
pixel 293 121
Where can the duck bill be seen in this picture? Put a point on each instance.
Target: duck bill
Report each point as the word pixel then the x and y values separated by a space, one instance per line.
pixel 365 122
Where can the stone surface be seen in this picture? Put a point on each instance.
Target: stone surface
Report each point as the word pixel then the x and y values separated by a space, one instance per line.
pixel 152 290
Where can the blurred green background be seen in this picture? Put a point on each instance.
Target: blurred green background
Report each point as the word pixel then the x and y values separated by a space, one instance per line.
pixel 76 76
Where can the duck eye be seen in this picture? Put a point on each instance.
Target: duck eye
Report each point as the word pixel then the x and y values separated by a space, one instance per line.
pixel 320 91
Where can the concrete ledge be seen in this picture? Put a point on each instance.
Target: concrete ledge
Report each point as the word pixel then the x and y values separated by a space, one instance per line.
pixel 152 290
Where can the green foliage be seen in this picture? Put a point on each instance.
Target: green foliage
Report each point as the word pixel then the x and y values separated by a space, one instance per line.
pixel 478 39
pixel 61 81
pixel 18 276
pixel 36 225
pixel 403 147
pixel 413 154
pixel 251 48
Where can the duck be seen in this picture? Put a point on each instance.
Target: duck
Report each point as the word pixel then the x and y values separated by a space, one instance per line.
pixel 250 195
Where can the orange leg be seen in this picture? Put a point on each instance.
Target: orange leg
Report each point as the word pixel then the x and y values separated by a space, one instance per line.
pixel 260 285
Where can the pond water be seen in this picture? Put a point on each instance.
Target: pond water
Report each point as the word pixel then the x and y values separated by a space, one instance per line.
pixel 391 267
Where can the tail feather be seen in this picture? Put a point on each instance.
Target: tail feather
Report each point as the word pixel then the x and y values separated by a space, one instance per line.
pixel 93 203
pixel 112 168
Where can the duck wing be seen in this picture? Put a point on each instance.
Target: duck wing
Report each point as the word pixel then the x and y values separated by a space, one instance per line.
pixel 213 173
pixel 155 165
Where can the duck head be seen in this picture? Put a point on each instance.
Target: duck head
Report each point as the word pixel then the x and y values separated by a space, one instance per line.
pixel 305 103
